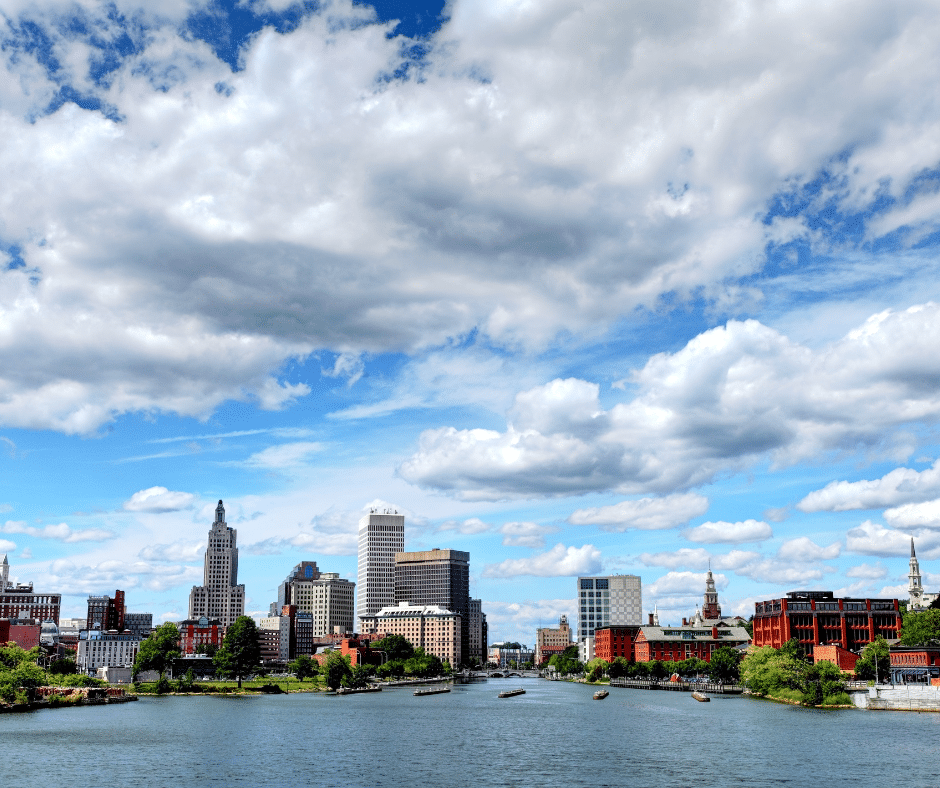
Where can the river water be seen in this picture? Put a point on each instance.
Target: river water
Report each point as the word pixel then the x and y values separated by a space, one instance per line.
pixel 554 735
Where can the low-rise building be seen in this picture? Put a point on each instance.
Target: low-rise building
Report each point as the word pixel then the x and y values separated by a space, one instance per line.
pixel 675 644
pixel 26 633
pixel 615 641
pixel 844 660
pixel 504 654
pixel 97 649
pixel 819 618
pixel 433 628
pixel 551 640
pixel 139 623
pixel 914 664
pixel 19 601
pixel 201 632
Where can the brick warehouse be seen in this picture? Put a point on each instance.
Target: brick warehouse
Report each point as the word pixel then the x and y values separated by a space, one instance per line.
pixel 615 641
pixel 819 618
pixel 675 644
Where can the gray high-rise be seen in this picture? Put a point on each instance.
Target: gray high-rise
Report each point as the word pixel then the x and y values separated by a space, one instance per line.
pixel 381 535
pixel 219 597
pixel 437 577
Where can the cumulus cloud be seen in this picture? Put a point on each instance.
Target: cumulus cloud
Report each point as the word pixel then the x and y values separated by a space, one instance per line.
pixel 159 500
pixel 729 533
pixel 104 577
pixel 249 222
pixel 560 561
pixel 874 539
pixel 185 552
pixel 645 514
pixel 914 515
pixel 803 549
pixel 6 546
pixel 731 396
pixel 682 584
pixel 61 532
pixel 867 571
pixel 900 486
pixel 526 534
pixel 517 621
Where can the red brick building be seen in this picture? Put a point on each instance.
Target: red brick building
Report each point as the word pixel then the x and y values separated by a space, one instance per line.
pixel 358 651
pixel 818 618
pixel 615 641
pixel 915 664
pixel 26 636
pixel 199 632
pixel 838 656
pixel 676 644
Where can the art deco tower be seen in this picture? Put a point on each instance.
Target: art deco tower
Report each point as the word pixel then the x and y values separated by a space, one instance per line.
pixel 219 597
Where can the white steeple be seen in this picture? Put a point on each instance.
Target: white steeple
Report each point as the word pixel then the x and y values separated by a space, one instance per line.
pixel 4 573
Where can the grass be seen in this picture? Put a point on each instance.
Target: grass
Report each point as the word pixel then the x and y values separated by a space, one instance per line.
pixel 231 687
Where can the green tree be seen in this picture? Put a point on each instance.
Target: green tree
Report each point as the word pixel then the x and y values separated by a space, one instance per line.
pixel 337 670
pixel 618 668
pixel 62 667
pixel 303 667
pixel 921 629
pixel 724 667
pixel 159 650
pixel 874 661
pixel 395 647
pixel 240 652
pixel 207 649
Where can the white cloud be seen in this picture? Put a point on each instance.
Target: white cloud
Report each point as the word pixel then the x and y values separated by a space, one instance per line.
pixel 682 584
pixel 914 515
pixel 517 621
pixel 185 552
pixel 61 532
pixel 469 527
pixel 26 554
pixel 6 546
pixel 645 513
pixel 284 456
pixel 802 549
pixel 526 534
pixel 731 396
pixel 70 578
pixel 158 500
pixel 262 223
pixel 560 561
pixel 867 571
pixel 900 486
pixel 874 539
pixel 729 533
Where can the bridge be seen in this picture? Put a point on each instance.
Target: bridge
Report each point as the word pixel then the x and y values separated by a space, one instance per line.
pixel 502 673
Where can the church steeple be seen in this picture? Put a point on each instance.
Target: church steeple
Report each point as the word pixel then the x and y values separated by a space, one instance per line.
pixel 711 610
pixel 914 586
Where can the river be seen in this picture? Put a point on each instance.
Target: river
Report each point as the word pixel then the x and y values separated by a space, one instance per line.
pixel 554 735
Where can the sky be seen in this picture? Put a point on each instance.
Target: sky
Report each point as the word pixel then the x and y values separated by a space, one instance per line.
pixel 579 287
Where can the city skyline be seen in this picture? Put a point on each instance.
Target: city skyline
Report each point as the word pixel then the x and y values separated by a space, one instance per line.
pixel 580 289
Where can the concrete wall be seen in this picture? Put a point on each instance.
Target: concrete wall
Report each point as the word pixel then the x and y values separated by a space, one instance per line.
pixel 905 697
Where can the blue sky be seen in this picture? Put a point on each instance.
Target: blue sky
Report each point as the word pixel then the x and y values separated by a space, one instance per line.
pixel 580 287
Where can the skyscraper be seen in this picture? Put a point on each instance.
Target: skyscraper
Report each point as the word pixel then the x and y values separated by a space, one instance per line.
pixel 326 596
pixel 617 599
pixel 219 597
pixel 380 537
pixel 437 577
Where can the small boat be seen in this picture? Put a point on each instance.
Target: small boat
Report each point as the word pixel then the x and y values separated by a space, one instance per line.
pixel 511 693
pixel 601 694
pixel 701 696
pixel 431 691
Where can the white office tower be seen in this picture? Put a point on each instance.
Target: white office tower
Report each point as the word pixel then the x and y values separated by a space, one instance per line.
pixel 381 535
pixel 605 601
pixel 219 597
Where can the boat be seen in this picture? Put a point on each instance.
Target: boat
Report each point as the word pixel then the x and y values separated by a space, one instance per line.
pixel 601 694
pixel 431 691
pixel 701 696
pixel 511 693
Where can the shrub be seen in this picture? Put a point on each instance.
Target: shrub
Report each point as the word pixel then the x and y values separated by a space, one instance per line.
pixel 838 699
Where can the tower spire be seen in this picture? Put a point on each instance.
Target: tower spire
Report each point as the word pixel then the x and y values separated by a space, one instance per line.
pixel 912 548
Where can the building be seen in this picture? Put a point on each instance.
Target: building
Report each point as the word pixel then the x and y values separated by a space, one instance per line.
pixel 431 627
pixel 504 655
pixel 617 599
pixel 106 613
pixel 283 625
pixel 18 600
pixel 478 632
pixel 675 644
pixel 97 649
pixel 437 577
pixel 615 641
pixel 357 649
pixel 914 664
pixel 198 635
pixel 325 596
pixel 26 633
pixel 139 623
pixel 818 618
pixel 552 640
pixel 219 597
pixel 380 537
pixel 919 599
pixel 838 656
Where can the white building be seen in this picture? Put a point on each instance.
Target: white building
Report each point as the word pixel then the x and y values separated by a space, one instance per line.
pixel 327 597
pixel 97 649
pixel 433 628
pixel 219 596
pixel 380 537
pixel 920 600
pixel 616 599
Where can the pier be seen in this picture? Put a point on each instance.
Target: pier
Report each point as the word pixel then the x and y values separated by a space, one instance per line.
pixel 712 688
